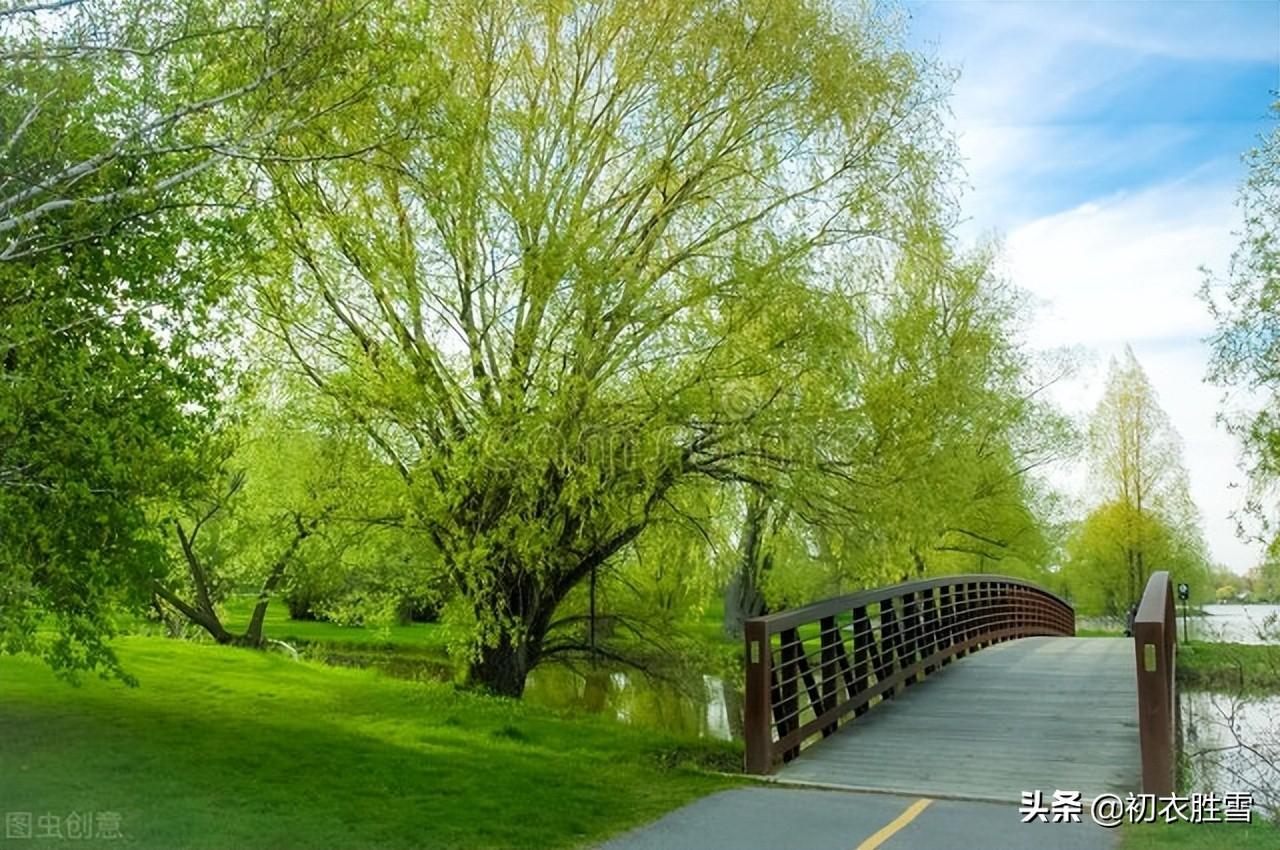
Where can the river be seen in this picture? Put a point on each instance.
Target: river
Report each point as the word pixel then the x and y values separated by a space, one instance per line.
pixel 1232 744
pixel 1236 623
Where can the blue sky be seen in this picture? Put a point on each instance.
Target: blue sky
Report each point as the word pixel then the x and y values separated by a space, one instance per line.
pixel 1102 146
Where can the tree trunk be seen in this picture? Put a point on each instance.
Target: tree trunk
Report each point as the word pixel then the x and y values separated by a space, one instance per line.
pixel 253 634
pixel 503 669
pixel 743 598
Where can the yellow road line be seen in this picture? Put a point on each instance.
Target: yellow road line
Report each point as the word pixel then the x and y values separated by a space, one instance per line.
pixel 892 827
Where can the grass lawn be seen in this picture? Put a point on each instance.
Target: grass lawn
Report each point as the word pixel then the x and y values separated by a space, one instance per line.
pixel 1229 666
pixel 1099 633
pixel 419 638
pixel 222 747
pixel 1200 836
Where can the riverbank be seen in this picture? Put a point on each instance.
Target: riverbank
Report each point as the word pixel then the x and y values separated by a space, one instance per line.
pixel 222 747
pixel 1248 668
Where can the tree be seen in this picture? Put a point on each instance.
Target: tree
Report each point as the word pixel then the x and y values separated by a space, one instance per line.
pixel 1097 573
pixel 590 281
pixel 1245 305
pixel 940 432
pixel 1136 461
pixel 112 109
pixel 122 218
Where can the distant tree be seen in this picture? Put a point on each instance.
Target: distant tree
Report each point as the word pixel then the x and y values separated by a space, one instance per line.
pixel 1097 573
pixel 1144 519
pixel 1136 463
pixel 1265 577
pixel 941 433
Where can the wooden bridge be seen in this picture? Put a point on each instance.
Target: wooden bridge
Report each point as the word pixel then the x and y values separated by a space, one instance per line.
pixel 969 686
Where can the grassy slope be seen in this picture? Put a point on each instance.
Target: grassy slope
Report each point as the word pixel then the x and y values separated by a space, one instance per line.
pixel 223 747
pixel 419 638
pixel 1200 836
pixel 1229 666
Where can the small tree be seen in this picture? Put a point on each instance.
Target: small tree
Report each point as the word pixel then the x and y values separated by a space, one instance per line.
pixel 1136 460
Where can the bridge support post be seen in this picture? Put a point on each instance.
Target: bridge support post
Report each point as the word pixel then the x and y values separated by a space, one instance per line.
pixel 757 708
pixel 1155 648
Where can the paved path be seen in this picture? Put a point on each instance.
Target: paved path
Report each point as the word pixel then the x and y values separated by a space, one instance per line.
pixel 809 819
pixel 1037 713
pixel 948 760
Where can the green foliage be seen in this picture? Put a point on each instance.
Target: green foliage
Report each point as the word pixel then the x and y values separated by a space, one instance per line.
pixel 591 272
pixel 123 214
pixel 1245 304
pixel 104 391
pixel 942 434
pixel 1097 576
pixel 1229 667
pixel 1145 519
pixel 1204 836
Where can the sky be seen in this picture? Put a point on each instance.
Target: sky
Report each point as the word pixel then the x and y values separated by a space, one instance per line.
pixel 1102 146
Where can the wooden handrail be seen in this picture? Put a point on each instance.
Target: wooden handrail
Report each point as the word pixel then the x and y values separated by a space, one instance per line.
pixel 810 669
pixel 1155 642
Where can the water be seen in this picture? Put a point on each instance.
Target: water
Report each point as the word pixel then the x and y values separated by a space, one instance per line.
pixel 706 706
pixel 702 705
pixel 1232 744
pixel 1255 624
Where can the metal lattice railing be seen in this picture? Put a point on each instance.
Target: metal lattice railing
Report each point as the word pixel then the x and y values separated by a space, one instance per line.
pixel 811 669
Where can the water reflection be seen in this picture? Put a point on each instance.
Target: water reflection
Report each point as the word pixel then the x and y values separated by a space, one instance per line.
pixel 1256 624
pixel 706 706
pixel 1236 624
pixel 1232 744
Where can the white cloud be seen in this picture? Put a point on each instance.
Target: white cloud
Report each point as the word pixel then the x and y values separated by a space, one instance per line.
pixel 1124 270
pixel 1062 103
pixel 1125 267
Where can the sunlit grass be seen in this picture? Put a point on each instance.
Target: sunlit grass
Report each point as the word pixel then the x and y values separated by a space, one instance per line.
pixel 222 747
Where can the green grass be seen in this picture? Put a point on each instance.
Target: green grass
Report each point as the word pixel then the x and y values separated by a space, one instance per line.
pixel 222 747
pixel 1229 666
pixel 427 638
pixel 1099 633
pixel 1200 836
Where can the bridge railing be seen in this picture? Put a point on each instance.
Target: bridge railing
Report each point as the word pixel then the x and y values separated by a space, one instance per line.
pixel 1155 640
pixel 810 669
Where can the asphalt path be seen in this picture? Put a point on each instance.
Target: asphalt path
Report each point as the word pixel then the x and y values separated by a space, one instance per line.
pixel 765 818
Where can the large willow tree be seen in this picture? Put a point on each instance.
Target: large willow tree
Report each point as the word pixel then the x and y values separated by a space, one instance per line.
pixel 586 278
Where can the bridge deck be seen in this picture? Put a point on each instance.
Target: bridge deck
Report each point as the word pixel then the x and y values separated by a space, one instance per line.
pixel 1042 713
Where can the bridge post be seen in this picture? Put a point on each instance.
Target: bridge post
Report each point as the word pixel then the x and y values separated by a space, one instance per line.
pixel 1155 648
pixel 757 708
